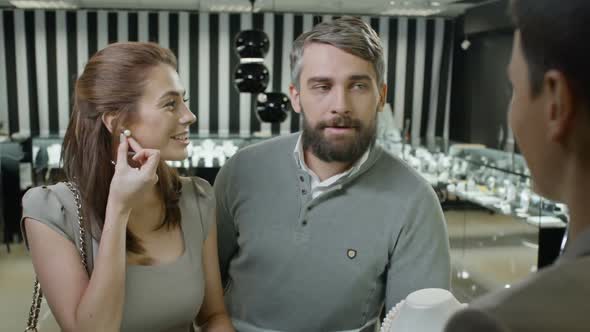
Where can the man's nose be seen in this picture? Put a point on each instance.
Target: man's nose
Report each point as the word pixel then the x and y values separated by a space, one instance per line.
pixel 341 101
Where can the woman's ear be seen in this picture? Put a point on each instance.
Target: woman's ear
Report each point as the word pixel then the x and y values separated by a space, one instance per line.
pixel 108 119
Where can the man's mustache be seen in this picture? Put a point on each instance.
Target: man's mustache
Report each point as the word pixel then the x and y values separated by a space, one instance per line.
pixel 342 121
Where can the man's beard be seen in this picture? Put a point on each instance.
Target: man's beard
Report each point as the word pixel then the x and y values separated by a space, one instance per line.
pixel 350 150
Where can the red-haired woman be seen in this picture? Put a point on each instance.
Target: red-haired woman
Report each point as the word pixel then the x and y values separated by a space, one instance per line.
pixel 152 233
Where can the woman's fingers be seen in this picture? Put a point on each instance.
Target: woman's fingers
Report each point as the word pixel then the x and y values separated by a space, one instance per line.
pixel 134 145
pixel 122 151
pixel 142 156
pixel 150 167
pixel 147 158
pixel 152 161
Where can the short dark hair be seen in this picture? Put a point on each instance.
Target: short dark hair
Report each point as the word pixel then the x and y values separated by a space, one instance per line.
pixel 553 36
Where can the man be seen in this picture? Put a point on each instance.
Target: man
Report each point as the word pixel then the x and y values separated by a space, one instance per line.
pixel 318 229
pixel 550 117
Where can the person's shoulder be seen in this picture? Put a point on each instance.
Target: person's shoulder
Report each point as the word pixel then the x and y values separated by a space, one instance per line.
pixel 202 187
pixel 257 156
pixel 278 144
pixel 474 319
pixel 550 299
pixel 568 277
pixel 399 173
pixel 44 196
pixel 46 205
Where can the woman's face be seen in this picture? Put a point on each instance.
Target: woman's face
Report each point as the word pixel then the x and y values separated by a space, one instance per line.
pixel 163 117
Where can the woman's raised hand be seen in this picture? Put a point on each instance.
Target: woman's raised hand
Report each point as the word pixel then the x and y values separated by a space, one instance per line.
pixel 130 183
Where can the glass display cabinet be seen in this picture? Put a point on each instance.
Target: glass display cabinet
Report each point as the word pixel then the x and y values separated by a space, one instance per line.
pixel 206 154
pixel 502 230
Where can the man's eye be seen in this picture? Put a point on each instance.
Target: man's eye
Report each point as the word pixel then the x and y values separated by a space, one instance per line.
pixel 359 85
pixel 321 87
pixel 171 103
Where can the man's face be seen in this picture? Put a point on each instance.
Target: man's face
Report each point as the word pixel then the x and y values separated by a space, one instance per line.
pixel 339 100
pixel 527 117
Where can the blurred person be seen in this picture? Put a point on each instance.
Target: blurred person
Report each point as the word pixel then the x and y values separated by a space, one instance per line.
pixel 550 116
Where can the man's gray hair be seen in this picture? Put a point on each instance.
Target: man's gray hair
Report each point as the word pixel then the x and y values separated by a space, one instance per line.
pixel 348 33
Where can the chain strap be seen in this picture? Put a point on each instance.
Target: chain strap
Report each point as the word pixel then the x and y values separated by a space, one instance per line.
pixel 33 320
pixel 74 189
pixel 35 308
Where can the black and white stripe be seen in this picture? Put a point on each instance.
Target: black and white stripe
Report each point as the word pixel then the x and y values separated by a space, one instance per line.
pixel 22 69
pixel 3 82
pixel 42 52
pixel 32 79
pixel 285 68
pixel 245 110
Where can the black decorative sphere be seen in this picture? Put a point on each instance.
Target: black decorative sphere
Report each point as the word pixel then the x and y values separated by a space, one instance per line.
pixel 272 106
pixel 251 77
pixel 251 44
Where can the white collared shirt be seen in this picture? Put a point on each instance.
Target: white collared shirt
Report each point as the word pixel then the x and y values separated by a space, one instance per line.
pixel 319 187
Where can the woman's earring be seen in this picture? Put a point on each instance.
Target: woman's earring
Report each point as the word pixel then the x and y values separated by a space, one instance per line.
pixel 127 133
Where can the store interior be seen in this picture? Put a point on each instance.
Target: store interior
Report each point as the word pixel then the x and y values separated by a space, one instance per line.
pixel 445 114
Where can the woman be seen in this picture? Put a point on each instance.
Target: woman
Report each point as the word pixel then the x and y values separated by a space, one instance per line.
pixel 154 241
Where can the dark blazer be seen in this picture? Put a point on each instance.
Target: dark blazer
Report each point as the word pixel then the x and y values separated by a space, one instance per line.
pixel 556 298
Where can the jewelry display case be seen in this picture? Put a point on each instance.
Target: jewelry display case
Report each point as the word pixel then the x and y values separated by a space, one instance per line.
pixel 206 154
pixel 500 230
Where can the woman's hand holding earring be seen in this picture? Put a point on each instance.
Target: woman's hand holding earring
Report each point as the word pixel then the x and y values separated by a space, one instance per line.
pixel 126 133
pixel 128 184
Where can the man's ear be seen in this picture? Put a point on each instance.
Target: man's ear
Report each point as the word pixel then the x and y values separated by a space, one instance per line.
pixel 108 119
pixel 294 94
pixel 382 96
pixel 561 105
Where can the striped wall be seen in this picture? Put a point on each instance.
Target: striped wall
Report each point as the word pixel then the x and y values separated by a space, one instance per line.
pixel 42 52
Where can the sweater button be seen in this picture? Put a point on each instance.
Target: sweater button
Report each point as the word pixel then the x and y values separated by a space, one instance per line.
pixel 304 192
pixel 304 223
pixel 302 178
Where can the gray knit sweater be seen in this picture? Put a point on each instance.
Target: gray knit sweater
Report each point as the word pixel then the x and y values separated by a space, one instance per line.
pixel 293 263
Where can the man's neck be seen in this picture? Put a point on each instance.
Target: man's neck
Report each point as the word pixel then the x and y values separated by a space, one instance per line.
pixel 325 170
pixel 575 195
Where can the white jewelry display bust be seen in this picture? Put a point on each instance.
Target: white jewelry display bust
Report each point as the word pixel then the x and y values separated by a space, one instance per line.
pixel 425 310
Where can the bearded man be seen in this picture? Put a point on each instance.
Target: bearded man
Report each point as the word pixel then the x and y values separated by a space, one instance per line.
pixel 319 230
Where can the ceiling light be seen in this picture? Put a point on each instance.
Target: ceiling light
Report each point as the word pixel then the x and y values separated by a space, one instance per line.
pixel 435 4
pixel 44 4
pixel 392 3
pixel 233 8
pixel 412 12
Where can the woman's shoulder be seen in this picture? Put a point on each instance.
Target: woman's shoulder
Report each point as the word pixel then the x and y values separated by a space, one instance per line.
pixel 202 187
pixel 201 205
pixel 45 204
pixel 45 197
